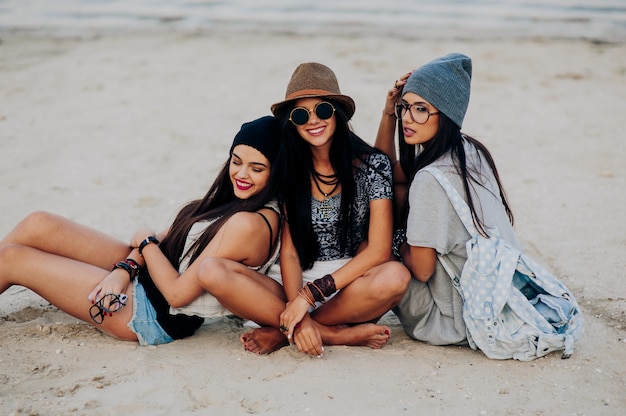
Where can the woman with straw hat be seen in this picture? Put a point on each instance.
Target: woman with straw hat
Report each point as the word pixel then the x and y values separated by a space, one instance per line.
pixel 337 196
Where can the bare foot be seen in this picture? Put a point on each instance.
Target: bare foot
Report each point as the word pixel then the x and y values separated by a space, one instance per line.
pixel 263 340
pixel 365 335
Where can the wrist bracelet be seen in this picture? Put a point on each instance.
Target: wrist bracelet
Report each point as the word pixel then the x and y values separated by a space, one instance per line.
pixel 325 286
pixel 134 266
pixel 305 293
pixel 316 292
pixel 144 243
pixel 130 265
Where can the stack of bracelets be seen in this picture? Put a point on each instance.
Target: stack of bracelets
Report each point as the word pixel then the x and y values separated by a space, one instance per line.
pixel 318 290
pixel 130 265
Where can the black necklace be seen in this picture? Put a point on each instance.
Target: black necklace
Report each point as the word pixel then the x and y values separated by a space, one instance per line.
pixel 325 179
pixel 325 208
pixel 335 182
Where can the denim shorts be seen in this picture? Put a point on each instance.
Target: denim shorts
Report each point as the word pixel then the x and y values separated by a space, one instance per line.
pixel 144 322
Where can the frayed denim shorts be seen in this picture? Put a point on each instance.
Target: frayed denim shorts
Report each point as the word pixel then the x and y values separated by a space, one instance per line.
pixel 144 322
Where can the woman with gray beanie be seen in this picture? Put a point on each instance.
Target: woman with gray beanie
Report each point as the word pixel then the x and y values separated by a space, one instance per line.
pixel 429 105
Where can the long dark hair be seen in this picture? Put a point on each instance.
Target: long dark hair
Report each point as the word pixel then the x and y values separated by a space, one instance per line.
pixel 447 139
pixel 295 166
pixel 219 203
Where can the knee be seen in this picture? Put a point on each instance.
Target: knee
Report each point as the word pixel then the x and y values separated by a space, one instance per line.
pixel 10 256
pixel 31 227
pixel 212 274
pixel 395 279
pixel 9 253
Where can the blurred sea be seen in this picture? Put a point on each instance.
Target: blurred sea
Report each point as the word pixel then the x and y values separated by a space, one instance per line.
pixel 596 20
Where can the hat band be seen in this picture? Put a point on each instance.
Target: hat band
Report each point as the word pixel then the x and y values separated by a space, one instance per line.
pixel 304 93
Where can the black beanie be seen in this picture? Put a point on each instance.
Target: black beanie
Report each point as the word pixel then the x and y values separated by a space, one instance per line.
pixel 263 134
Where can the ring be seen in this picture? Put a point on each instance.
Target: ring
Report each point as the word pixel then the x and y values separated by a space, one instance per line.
pixel 283 328
pixel 395 84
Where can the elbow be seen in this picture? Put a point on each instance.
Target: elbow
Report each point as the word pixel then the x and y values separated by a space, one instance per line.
pixel 174 298
pixel 175 302
pixel 423 274
pixel 422 277
pixel 422 262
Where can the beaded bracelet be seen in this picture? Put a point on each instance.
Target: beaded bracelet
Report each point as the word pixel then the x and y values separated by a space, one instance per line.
pixel 144 243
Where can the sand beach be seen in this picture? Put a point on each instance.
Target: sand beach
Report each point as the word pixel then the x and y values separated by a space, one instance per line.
pixel 118 130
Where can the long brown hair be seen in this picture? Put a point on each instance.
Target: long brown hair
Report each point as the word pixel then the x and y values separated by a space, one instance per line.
pixel 219 203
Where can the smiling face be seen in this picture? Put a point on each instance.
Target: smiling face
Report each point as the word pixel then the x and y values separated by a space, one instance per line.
pixel 315 131
pixel 249 171
pixel 415 133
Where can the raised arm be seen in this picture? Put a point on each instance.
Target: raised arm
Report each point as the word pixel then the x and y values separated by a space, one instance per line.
pixel 385 141
pixel 387 129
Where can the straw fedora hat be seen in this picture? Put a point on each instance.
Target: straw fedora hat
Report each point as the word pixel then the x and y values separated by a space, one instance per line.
pixel 312 79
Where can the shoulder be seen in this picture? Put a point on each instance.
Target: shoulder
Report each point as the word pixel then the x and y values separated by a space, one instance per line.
pixel 272 205
pixel 427 188
pixel 444 164
pixel 424 183
pixel 377 161
pixel 374 166
pixel 248 222
pixel 253 221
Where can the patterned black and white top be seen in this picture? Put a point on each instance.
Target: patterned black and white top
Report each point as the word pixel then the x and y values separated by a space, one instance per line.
pixel 373 181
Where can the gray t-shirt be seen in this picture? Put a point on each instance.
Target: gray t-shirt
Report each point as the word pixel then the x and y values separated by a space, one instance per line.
pixel 432 311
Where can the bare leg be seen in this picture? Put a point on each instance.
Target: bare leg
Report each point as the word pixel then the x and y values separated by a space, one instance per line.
pixel 346 318
pixel 255 296
pixel 245 292
pixel 367 298
pixel 63 282
pixel 57 235
pixel 250 295
pixel 364 335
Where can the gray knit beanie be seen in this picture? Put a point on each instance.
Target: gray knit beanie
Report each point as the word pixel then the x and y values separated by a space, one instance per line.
pixel 445 83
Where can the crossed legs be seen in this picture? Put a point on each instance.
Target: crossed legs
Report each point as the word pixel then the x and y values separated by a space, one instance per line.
pixel 344 320
pixel 63 261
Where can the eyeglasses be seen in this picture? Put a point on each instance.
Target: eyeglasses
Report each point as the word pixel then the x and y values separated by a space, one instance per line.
pixel 98 311
pixel 419 113
pixel 300 115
